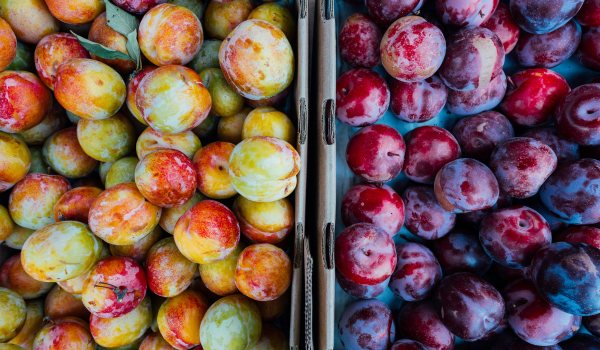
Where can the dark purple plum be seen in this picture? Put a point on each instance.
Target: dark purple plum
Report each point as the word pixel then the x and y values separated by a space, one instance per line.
pixel 365 254
pixel 521 166
pixel 461 251
pixel 360 291
pixel 406 344
pixel 509 341
pixel 541 17
pixel 479 134
pixel 548 50
pixel 367 324
pixel 592 324
pixel 504 26
pixel 419 101
pixel 567 275
pixel 564 149
pixel 505 274
pixel 481 99
pixel 578 115
pixel 572 192
pixel 474 57
pixel 430 16
pixel 581 234
pixel 581 341
pixel 503 326
pixel 588 52
pixel 428 148
pixel 475 217
pixel 466 185
pixel 556 225
pixel 468 305
pixel 385 12
pixel 417 272
pixel 424 216
pixel 418 321
pixel 512 236
pixel 463 13
pixel 589 15
pixel 359 41
pixel 532 318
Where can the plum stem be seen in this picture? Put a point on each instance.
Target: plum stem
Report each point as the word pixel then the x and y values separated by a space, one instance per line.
pixel 518 303
pixel 48 319
pixel 393 154
pixel 403 236
pixel 120 293
pixel 366 252
pixel 378 185
pixel 511 83
pixel 481 13
pixel 416 13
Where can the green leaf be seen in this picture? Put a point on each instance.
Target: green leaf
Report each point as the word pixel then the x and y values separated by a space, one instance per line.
pixel 133 47
pixel 119 19
pixel 102 51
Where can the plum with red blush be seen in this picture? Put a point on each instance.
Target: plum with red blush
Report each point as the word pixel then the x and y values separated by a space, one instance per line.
pixel 465 185
pixel 479 134
pixel 417 272
pixel 428 149
pixel 376 153
pixel 588 52
pixel 359 41
pixel 424 217
pixel 564 149
pixel 483 98
pixel 373 204
pixel 361 291
pixel 533 95
pixel 361 97
pixel 475 217
pixel 419 101
pixel 541 17
pixel 550 49
pixel 385 12
pixel 522 165
pixel 578 115
pixel 504 26
pixel 464 13
pixel 512 236
pixel 581 341
pixel 367 324
pixel 461 251
pixel 418 321
pixel 582 234
pixel 589 15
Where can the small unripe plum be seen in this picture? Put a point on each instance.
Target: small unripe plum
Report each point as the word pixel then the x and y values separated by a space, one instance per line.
pixel 16 160
pixel 18 237
pixel 123 170
pixel 225 100
pixel 207 57
pixel 278 15
pixel 220 18
pixel 7 225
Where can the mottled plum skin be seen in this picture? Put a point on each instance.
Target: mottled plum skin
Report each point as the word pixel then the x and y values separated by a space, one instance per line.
pixel 532 318
pixel 465 13
pixel 385 12
pixel 428 149
pixel 582 234
pixel 504 26
pixel 376 153
pixel 419 101
pixel 361 97
pixel 465 185
pixel 533 95
pixel 359 41
pixel 360 291
pixel 578 115
pixel 367 324
pixel 592 324
pixel 521 166
pixel 365 254
pixel 417 272
pixel 479 134
pixel 474 56
pixel 588 52
pixel 424 216
pixel 567 275
pixel 513 235
pixel 564 149
pixel 539 17
pixel 406 344
pixel 548 50
pixel 461 251
pixel 571 193
pixel 138 7
pixel 509 341
pixel 481 99
pixel 581 341
pixel 475 217
pixel 412 49
pixel 554 222
pixel 589 15
pixel 418 321
pixel 373 204
pixel 468 306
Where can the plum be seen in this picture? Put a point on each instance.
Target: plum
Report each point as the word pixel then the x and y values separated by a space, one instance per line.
pixel 373 204
pixel 554 222
pixel 504 26
pixel 54 121
pixel 179 319
pixel 582 234
pixel 59 303
pixel 588 52
pixel 219 277
pixel 475 217
pixel 406 344
pixel 365 254
pixel 117 134
pixel 465 185
pixel 155 341
pixel 169 272
pixel 417 272
pixel 481 99
pixel 474 57
pixel 385 12
pixel 271 310
pixel 533 95
pixel 15 278
pixel 211 164
pixel 367 324
pixel 468 305
pixel 532 318
pixel 24 101
pixel 221 17
pixel 424 216
pixel 418 101
pixel 571 194
pixel 465 13
pixel 64 333
pixel 581 341
pixel 505 274
pixel 52 51
pixel 361 291
pixel 539 17
pixel 278 15
pixel 567 276
pixel 461 251
pixel 359 41
pixel 564 149
pixel 33 323
pixel 589 14
pixel 123 170
pixel 14 309
pixel 263 272
pixel 428 149
pixel 267 121
pixel 17 160
pixel 29 19
pixel 509 341
pixel 271 338
pixel 119 331
pixel 592 324
pixel 412 49
pixel 361 97
pixel 479 134
pixel 376 153
pixel 418 321
pixel 578 115
pixel 101 33
pixel 548 50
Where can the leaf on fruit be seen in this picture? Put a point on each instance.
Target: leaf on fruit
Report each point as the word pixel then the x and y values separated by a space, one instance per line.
pixel 133 47
pixel 119 19
pixel 100 50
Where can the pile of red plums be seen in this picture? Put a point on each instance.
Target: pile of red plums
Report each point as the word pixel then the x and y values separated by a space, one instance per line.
pixel 503 209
